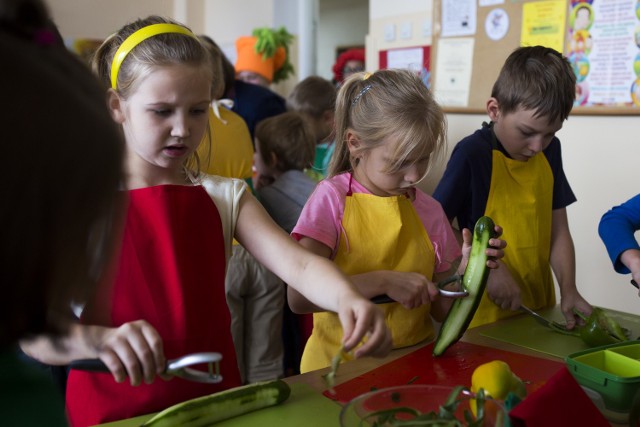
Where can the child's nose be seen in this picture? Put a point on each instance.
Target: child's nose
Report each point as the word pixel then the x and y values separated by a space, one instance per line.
pixel 181 126
pixel 412 174
pixel 537 144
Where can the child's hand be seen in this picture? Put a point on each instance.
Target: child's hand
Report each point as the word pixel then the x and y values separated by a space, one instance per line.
pixel 134 350
pixel 410 289
pixel 503 289
pixel 495 251
pixel 360 317
pixel 571 301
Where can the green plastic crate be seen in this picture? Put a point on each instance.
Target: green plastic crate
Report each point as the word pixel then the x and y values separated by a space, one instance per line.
pixel 613 371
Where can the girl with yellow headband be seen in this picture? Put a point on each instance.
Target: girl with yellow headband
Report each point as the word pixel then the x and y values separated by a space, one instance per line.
pixel 370 218
pixel 165 295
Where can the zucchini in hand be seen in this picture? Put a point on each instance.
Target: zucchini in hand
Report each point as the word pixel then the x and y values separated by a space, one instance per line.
pixel 474 281
pixel 206 410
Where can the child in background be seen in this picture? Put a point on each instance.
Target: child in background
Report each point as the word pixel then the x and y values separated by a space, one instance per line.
pixel 285 147
pixel 166 296
pixel 617 230
pixel 349 62
pixel 251 102
pixel 227 148
pixel 254 294
pixel 58 209
pixel 511 170
pixel 315 97
pixel 369 217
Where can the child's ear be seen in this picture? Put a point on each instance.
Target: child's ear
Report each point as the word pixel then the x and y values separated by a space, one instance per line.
pixel 353 143
pixel 328 117
pixel 116 106
pixel 273 161
pixel 493 109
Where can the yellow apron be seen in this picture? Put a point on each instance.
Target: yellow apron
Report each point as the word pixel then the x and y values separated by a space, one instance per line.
pixel 520 201
pixel 379 233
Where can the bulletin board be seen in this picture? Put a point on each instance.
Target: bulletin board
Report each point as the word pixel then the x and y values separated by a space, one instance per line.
pixel 607 69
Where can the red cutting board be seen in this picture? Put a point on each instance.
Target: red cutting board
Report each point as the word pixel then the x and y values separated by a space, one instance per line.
pixel 453 368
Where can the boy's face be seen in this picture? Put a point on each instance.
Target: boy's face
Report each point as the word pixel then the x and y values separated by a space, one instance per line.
pixel 522 133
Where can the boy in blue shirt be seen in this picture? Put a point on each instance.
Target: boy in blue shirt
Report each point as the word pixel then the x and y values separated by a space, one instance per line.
pixel 617 230
pixel 511 170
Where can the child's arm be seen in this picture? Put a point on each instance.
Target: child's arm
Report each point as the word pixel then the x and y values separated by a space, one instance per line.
pixel 133 349
pixel 315 277
pixel 616 229
pixel 409 289
pixel 563 263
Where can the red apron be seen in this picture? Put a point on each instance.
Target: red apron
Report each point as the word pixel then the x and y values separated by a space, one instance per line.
pixel 171 273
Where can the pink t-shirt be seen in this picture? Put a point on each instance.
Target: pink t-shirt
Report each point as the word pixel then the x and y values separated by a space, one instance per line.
pixel 321 219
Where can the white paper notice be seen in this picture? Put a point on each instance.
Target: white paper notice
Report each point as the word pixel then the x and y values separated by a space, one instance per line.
pixel 453 71
pixel 490 2
pixel 458 18
pixel 408 58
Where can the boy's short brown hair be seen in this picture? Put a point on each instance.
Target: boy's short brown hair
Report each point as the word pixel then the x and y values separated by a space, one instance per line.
pixel 536 78
pixel 313 96
pixel 290 137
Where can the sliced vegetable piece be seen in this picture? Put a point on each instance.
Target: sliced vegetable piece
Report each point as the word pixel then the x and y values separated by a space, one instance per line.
pixel 206 410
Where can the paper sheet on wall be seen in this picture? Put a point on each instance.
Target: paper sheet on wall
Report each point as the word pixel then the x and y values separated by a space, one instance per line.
pixel 543 24
pixel 458 18
pixel 407 58
pixel 453 71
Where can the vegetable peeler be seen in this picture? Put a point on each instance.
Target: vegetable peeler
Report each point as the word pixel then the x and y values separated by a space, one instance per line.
pixel 456 278
pixel 179 367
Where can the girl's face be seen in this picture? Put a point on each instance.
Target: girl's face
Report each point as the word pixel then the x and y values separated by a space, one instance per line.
pixel 373 163
pixel 164 121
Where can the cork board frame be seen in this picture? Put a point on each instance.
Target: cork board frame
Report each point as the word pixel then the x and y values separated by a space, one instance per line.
pixel 489 55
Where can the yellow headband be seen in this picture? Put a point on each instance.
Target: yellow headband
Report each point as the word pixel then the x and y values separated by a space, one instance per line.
pixel 138 37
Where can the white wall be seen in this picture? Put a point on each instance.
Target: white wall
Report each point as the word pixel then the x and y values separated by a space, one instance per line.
pixel 99 18
pixel 339 26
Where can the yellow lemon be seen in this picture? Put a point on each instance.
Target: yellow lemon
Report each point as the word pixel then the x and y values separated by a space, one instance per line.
pixel 497 380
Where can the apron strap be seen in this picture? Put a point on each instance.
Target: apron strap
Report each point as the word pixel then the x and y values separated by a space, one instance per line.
pixel 349 192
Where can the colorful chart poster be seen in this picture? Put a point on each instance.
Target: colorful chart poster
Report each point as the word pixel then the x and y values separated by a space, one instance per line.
pixel 603 46
pixel 543 24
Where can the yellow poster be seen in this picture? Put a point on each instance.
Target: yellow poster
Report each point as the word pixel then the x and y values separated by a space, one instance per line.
pixel 543 24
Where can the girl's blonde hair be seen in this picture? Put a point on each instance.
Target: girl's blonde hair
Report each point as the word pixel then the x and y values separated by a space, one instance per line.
pixel 157 51
pixel 388 105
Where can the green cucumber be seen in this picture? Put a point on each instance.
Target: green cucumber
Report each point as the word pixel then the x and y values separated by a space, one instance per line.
pixel 474 281
pixel 206 410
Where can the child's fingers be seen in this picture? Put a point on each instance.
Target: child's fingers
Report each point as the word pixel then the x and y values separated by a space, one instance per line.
pixel 379 341
pixel 467 237
pixel 113 362
pixel 347 319
pixel 155 345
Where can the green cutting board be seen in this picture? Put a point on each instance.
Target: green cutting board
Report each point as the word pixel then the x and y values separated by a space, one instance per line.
pixel 524 331
pixel 305 407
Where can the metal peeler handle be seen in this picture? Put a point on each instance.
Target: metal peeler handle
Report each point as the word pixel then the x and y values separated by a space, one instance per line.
pixel 179 367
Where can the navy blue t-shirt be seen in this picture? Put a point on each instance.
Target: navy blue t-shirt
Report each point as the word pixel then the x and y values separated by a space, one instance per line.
pixel 464 188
